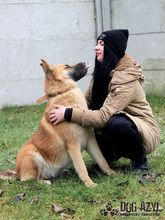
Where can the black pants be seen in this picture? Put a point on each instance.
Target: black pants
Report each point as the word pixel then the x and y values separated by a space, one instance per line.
pixel 121 139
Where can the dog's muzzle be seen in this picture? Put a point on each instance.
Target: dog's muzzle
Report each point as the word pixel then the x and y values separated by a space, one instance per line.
pixel 79 72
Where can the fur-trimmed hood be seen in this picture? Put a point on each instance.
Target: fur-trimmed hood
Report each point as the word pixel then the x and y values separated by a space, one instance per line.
pixel 127 70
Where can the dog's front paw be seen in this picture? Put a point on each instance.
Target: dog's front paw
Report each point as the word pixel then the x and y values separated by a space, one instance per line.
pixel 93 185
pixel 111 172
pixel 47 182
pixel 90 183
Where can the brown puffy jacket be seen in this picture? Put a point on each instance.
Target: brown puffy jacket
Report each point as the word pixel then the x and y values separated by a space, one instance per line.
pixel 125 95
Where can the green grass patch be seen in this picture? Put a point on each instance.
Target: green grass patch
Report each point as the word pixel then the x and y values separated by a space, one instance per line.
pixel 141 200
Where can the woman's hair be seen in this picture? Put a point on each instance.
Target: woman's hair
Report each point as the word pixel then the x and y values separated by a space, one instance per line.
pixel 109 62
pixel 102 76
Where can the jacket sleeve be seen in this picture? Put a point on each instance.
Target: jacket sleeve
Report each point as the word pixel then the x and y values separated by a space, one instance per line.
pixel 117 100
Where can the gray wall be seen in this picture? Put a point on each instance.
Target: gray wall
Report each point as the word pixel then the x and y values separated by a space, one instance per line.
pixel 147 40
pixel 64 31
pixel 57 31
pixel 145 21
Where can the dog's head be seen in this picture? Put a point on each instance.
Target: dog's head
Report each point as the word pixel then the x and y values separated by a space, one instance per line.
pixel 61 78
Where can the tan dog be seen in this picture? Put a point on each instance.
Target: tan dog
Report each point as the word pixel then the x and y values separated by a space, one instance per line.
pixel 52 147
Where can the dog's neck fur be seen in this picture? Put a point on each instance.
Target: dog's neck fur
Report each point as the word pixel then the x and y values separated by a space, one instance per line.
pixel 57 88
pixel 47 96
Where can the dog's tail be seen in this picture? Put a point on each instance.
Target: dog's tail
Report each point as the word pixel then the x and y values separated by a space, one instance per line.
pixel 7 174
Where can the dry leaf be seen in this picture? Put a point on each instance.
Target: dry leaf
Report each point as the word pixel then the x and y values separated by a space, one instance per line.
pixel 145 178
pixel 154 175
pixel 149 177
pixel 72 211
pixel 123 183
pixel 19 197
pixel 1 192
pixel 11 161
pixel 5 144
pixel 10 118
pixel 57 208
pixel 34 201
pixel 156 155
pixel 92 201
pixel 9 182
pixel 66 215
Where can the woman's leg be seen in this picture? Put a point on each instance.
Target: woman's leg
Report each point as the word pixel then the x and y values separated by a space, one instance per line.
pixel 122 140
pixel 107 148
pixel 127 141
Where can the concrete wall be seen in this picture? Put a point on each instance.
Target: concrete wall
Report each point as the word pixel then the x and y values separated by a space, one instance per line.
pixel 64 31
pixel 146 23
pixel 57 31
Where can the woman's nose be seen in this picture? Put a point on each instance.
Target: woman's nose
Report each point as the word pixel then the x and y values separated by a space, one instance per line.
pixel 96 48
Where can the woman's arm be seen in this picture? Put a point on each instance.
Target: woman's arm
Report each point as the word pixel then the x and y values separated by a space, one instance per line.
pixel 116 101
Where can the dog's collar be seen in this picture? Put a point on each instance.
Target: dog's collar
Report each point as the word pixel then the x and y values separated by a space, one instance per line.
pixel 43 98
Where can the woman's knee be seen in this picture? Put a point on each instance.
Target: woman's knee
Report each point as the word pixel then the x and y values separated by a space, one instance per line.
pixel 120 124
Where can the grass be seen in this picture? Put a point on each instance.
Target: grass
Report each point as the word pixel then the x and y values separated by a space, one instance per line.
pixel 16 127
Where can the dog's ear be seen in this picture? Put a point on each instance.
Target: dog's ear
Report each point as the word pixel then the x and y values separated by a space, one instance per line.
pixel 46 67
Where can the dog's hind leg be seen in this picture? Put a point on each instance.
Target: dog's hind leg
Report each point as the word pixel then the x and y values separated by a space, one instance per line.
pixel 28 169
pixel 26 166
pixel 94 151
pixel 75 154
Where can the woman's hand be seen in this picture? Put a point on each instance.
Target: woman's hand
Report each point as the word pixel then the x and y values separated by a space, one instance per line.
pixel 57 115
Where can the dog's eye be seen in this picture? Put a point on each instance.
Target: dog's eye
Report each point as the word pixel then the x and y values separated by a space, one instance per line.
pixel 67 66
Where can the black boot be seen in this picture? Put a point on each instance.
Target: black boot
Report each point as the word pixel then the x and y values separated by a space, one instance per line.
pixel 141 167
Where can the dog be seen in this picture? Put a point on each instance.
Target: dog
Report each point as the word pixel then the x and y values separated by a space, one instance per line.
pixel 53 147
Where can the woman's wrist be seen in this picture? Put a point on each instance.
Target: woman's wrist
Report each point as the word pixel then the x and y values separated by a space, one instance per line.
pixel 68 114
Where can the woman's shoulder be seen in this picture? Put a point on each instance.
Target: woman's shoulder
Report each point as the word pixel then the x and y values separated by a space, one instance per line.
pixel 127 70
pixel 125 62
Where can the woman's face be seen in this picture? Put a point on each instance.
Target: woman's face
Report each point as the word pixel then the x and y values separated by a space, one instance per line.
pixel 100 50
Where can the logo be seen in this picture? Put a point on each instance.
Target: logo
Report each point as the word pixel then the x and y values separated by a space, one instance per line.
pixel 131 209
pixel 109 209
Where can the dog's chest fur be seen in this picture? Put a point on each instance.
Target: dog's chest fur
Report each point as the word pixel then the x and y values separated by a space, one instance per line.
pixel 52 167
pixel 60 136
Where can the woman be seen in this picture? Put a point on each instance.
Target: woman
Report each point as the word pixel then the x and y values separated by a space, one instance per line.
pixel 122 118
